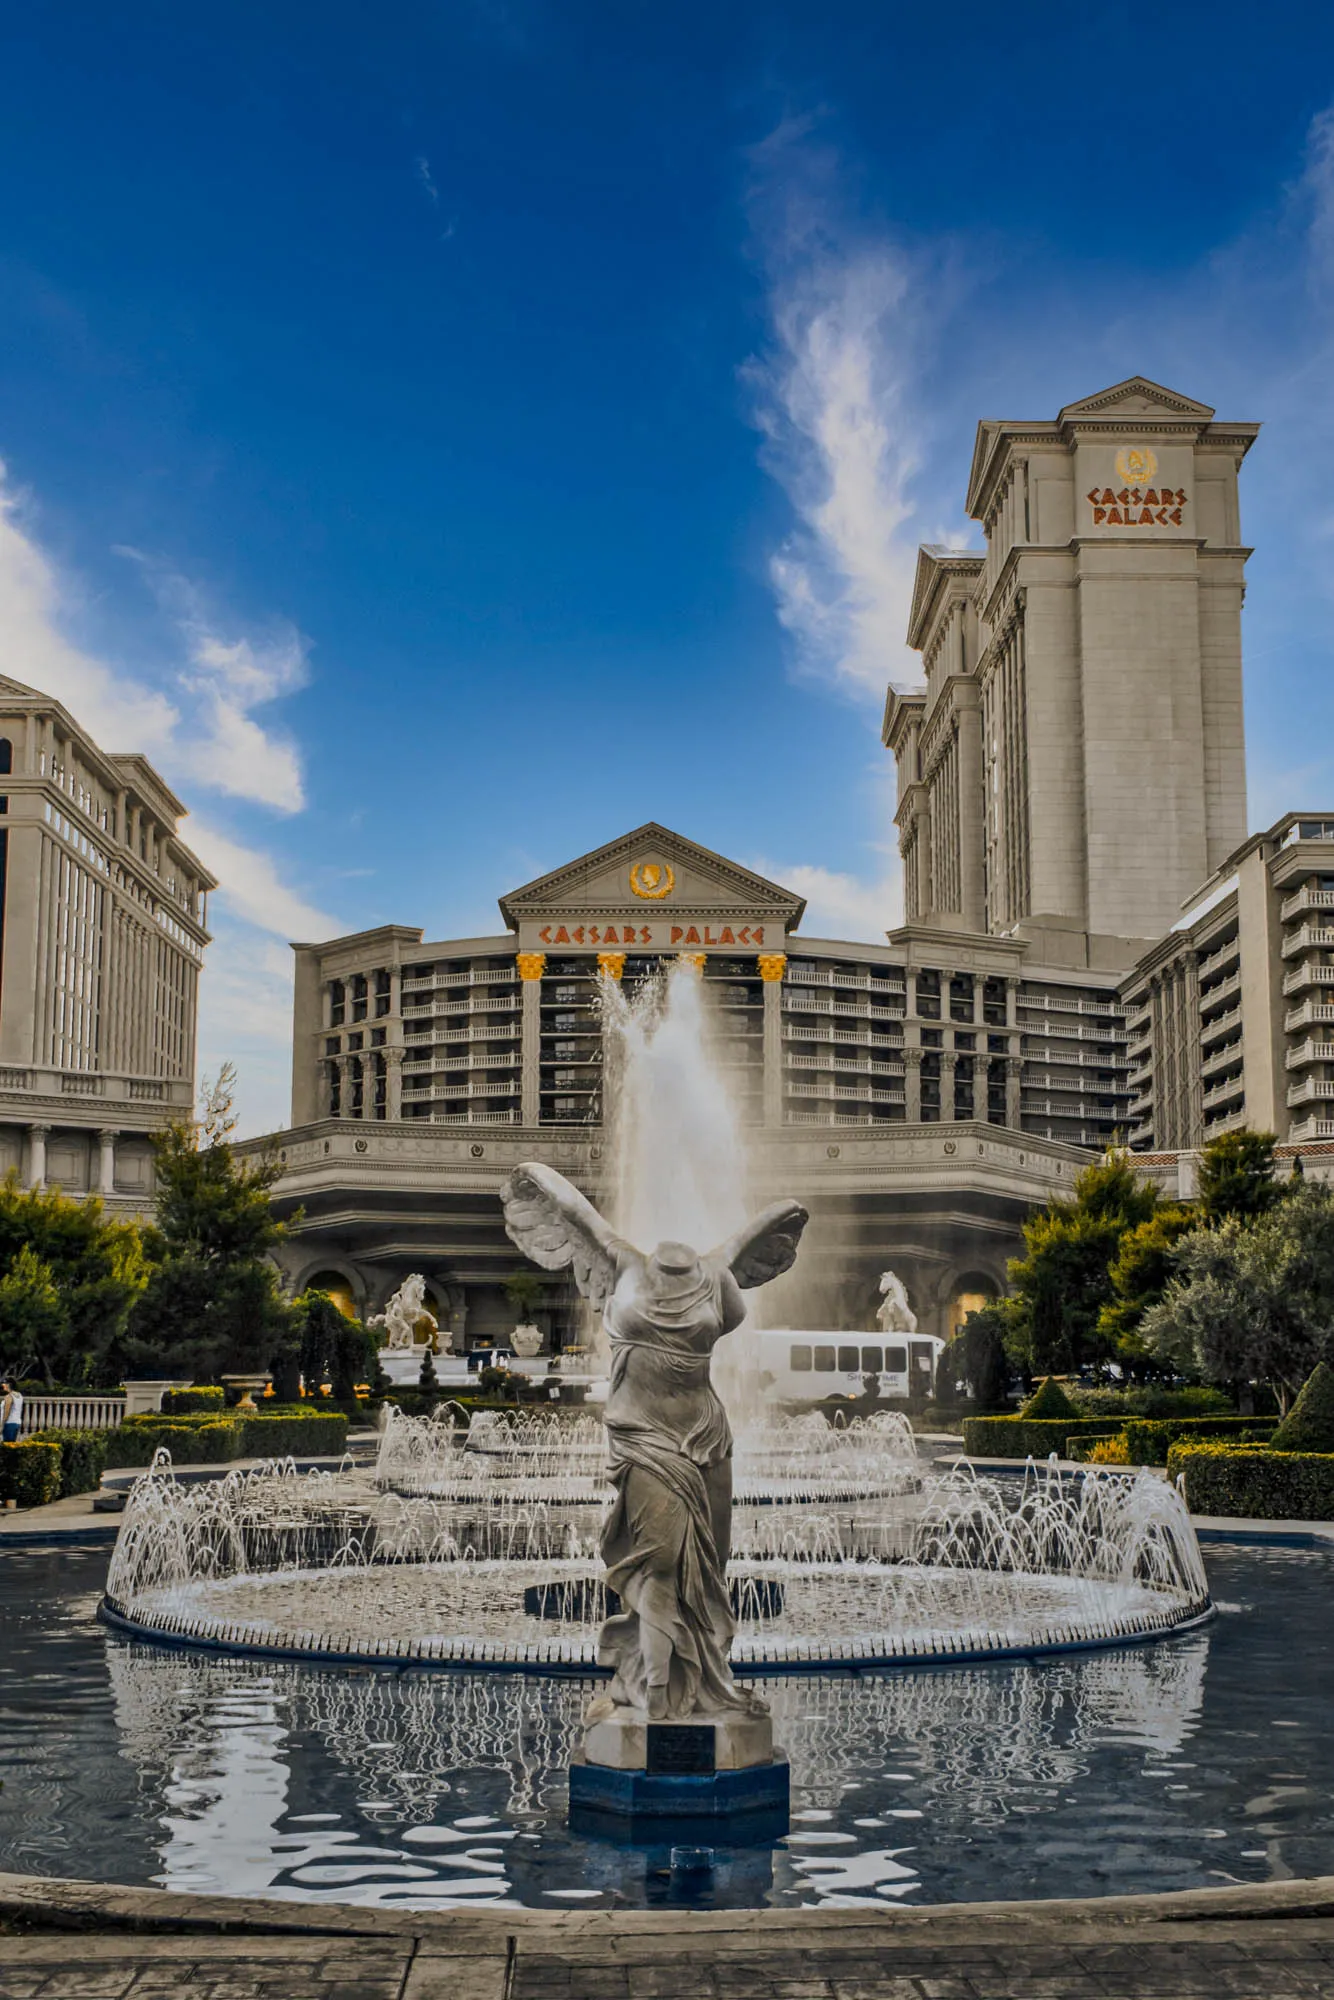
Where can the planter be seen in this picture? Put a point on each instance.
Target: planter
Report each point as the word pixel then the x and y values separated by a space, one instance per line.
pixel 247 1384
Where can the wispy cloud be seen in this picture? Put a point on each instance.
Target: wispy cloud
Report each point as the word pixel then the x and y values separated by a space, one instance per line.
pixel 228 676
pixel 836 401
pixel 198 726
pixel 424 176
pixel 842 905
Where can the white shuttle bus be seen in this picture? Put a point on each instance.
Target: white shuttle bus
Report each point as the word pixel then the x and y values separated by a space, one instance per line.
pixel 801 1367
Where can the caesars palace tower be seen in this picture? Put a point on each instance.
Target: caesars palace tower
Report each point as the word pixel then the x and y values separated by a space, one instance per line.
pixel 1093 951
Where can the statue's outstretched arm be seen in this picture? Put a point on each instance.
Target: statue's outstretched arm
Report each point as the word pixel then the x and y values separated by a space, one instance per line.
pixel 765 1247
pixel 557 1227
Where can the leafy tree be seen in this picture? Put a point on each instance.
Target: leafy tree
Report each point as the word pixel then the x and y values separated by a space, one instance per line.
pixel 1236 1176
pixel 1063 1281
pixel 1253 1301
pixel 977 1356
pixel 332 1344
pixel 96 1267
pixel 212 1304
pixel 1143 1267
pixel 524 1291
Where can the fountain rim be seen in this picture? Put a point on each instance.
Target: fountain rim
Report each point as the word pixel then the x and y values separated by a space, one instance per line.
pixel 542 1660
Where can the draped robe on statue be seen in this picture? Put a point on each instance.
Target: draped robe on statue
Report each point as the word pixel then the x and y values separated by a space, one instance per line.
pixel 667 1538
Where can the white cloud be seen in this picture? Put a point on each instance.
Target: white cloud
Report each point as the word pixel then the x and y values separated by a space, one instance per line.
pixel 836 405
pixel 253 888
pixel 120 711
pixel 200 731
pixel 225 748
pixel 839 905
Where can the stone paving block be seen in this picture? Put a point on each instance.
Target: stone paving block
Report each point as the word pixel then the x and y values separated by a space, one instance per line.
pixel 19 1985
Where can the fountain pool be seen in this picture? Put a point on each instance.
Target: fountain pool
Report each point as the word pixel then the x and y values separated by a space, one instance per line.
pixel 1197 1763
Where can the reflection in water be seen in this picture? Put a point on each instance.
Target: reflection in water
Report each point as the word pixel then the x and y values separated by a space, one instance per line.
pixel 1202 1761
pixel 217 1738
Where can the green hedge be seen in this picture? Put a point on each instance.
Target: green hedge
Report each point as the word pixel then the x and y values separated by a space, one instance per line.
pixel 1148 1438
pixel 213 1440
pixel 302 1433
pixel 1251 1480
pixel 83 1457
pixel 182 1402
pixel 1029 1437
pixel 30 1472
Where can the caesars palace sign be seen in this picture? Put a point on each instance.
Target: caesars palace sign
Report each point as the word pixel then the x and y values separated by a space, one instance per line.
pixel 650 882
pixel 1138 503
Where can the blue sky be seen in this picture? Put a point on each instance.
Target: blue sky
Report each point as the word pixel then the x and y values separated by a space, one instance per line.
pixel 444 436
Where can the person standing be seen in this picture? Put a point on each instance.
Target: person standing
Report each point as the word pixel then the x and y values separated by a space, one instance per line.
pixel 11 1411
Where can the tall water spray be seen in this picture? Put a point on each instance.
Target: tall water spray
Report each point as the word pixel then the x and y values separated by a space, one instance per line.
pixel 679 1172
pixel 679 1167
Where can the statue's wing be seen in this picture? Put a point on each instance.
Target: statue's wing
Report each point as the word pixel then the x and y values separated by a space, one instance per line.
pixel 558 1228
pixel 766 1247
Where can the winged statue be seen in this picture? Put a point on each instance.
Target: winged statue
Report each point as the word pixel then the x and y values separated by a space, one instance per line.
pixel 667 1538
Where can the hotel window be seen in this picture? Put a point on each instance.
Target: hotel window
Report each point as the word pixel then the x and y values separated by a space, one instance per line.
pixel 359 992
pixel 337 1003
pixel 961 997
pixel 381 993
pixel 381 1087
pixel 928 995
pixel 333 1045
pixel 358 1086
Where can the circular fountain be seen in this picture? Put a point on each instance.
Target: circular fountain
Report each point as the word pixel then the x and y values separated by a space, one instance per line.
pixel 477 1544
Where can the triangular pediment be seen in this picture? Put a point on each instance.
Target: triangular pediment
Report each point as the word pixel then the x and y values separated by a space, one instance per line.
pixel 652 872
pixel 1138 397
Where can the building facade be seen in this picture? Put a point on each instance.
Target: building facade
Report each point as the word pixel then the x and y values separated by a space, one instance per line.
pixel 920 1093
pixel 102 935
pixel 1093 952
pixel 1088 660
pixel 1230 1016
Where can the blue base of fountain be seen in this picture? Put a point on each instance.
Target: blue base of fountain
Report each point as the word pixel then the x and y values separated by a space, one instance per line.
pixel 740 1805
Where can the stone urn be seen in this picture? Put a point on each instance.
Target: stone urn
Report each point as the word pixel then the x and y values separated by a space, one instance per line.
pixel 247 1384
pixel 526 1340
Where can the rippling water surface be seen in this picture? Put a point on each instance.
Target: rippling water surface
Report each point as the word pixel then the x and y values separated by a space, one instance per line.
pixel 1202 1761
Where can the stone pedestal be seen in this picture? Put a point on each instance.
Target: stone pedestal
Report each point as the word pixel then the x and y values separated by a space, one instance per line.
pixel 719 1774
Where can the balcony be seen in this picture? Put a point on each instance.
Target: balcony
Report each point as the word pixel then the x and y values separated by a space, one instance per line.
pixel 1303 900
pixel 1228 1055
pixel 1225 1090
pixel 1312 1050
pixel 1309 937
pixel 505 972
pixel 1214 961
pixel 1223 988
pixel 1311 1014
pixel 1307 975
pixel 1220 1025
pixel 1314 1127
pixel 1311 1090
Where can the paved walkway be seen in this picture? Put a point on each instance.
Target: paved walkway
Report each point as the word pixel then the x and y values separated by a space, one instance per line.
pixel 66 1939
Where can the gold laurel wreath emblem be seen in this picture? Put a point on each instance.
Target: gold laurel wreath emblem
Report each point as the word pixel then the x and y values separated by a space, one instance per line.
pixel 1137 465
pixel 652 880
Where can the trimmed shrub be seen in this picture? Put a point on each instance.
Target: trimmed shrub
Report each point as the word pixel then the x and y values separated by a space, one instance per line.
pixel 1048 1400
pixel 296 1433
pixel 1309 1424
pixel 30 1472
pixel 83 1458
pixel 1149 1439
pixel 1028 1437
pixel 1252 1480
pixel 299 1434
pixel 1152 1400
pixel 205 1443
pixel 186 1402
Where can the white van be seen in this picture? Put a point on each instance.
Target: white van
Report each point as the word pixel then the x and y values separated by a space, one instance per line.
pixel 799 1367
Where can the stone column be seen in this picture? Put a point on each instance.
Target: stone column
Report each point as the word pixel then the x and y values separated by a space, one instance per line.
pixel 531 964
pixel 1014 1076
pixel 912 1086
pixel 37 1136
pixel 393 1080
pixel 106 1166
pixel 947 1062
pixel 772 965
